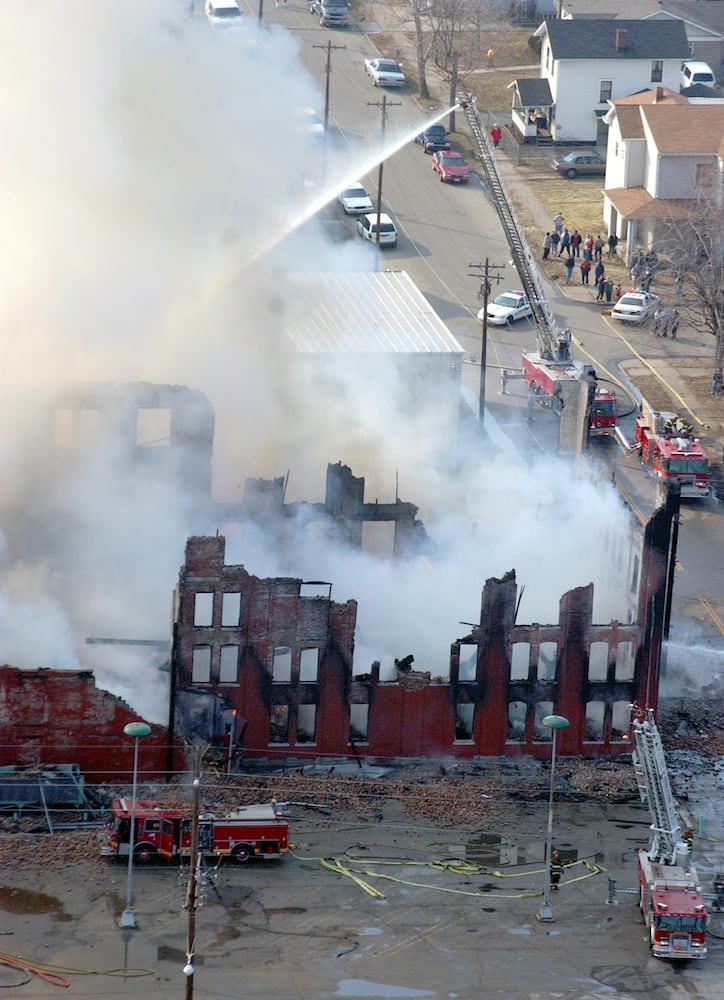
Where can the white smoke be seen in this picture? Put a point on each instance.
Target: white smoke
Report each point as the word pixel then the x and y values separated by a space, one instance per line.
pixel 147 156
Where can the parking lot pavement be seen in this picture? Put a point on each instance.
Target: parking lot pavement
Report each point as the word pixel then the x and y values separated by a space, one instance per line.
pixel 390 907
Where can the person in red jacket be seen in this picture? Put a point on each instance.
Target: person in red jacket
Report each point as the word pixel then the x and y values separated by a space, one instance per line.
pixel 495 134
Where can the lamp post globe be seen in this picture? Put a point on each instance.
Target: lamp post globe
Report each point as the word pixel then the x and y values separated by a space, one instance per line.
pixel 554 723
pixel 136 730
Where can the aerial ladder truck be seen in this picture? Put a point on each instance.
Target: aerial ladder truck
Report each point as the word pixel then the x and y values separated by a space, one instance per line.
pixel 552 375
pixel 670 896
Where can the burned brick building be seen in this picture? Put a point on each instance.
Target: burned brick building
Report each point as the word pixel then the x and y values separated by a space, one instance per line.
pixel 283 662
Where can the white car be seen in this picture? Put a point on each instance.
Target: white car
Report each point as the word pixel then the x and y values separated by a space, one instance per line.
pixel 222 12
pixel 367 229
pixel 355 200
pixel 635 307
pixel 507 308
pixel 385 72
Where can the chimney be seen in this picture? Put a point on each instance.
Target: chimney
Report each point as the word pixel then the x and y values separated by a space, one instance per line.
pixel 621 39
pixel 659 95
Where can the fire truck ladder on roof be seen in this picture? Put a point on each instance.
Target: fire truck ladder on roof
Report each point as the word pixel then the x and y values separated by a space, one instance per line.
pixel 553 343
pixel 652 777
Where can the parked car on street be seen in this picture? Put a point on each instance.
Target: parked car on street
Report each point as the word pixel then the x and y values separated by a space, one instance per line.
pixel 355 200
pixel 385 72
pixel 507 308
pixel 367 229
pixel 222 12
pixel 583 162
pixel 433 139
pixel 635 306
pixel 331 13
pixel 451 167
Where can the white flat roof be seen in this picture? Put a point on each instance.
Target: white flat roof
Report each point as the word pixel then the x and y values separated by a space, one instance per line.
pixel 381 312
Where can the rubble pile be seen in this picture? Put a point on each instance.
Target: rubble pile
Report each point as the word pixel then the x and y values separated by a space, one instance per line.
pixel 692 725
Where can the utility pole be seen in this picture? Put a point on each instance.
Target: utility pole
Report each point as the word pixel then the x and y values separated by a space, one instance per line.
pixel 383 105
pixel 484 294
pixel 328 73
pixel 193 886
pixel 260 16
pixel 453 91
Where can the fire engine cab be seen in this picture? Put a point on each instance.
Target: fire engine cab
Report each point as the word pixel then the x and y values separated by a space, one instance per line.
pixel 671 453
pixel 544 377
pixel 250 831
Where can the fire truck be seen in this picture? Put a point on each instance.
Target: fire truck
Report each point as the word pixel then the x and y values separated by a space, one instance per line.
pixel 250 831
pixel 544 376
pixel 669 891
pixel 671 453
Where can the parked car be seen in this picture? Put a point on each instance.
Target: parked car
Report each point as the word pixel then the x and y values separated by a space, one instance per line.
pixel 507 308
pixel 367 229
pixel 451 166
pixel 635 306
pixel 385 72
pixel 585 161
pixel 696 72
pixel 220 12
pixel 331 13
pixel 433 139
pixel 355 200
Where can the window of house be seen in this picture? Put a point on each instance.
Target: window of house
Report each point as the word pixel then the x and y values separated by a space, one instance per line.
pixel 598 661
pixel 309 665
pixel 358 723
pixel 282 665
pixel 625 657
pixel 657 70
pixel 203 610
pixel 516 721
pixel 547 654
pixel 306 722
pixel 279 724
pixel 464 720
pixel 605 91
pixel 230 610
pixel 594 721
pixel 468 662
pixel 519 661
pixel 620 721
pixel 541 733
pixel 201 664
pixel 229 665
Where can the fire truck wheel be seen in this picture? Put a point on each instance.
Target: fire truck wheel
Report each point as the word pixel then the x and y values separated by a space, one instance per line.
pixel 143 854
pixel 241 853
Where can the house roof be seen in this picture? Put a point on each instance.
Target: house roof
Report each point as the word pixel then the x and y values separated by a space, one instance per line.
pixel 637 203
pixel 705 15
pixel 534 93
pixel 595 38
pixel 688 128
pixel 628 112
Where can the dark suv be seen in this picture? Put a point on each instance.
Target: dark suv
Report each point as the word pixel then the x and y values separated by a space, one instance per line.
pixel 331 13
pixel 434 139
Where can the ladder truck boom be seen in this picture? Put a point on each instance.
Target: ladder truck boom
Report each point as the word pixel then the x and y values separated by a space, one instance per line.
pixel 652 778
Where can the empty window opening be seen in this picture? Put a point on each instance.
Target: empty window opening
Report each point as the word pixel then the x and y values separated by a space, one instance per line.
pixel 520 661
pixel 201 665
pixel 358 723
pixel 598 661
pixel 625 661
pixel 517 711
pixel 635 575
pixel 229 665
pixel 230 610
pixel 541 733
pixel 468 662
pixel 203 610
pixel 282 666
pixel 594 721
pixel 309 665
pixel 306 721
pixel 547 653
pixel 620 721
pixel 279 724
pixel 153 427
pixel 464 719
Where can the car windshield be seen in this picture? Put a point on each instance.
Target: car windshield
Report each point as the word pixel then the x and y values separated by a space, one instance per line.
pixel 227 12
pixel 436 130
pixel 631 300
pixel 387 227
pixel 686 465
pixel 388 66
pixel 603 408
pixel 510 301
pixel 355 192
pixel 453 161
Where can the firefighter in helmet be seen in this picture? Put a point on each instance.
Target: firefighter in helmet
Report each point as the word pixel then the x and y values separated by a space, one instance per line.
pixel 556 869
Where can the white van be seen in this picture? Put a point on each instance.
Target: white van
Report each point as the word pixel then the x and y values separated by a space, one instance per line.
pixel 696 72
pixel 222 11
pixel 367 229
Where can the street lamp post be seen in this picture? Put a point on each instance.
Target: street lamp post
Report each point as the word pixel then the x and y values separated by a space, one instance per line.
pixel 136 730
pixel 554 722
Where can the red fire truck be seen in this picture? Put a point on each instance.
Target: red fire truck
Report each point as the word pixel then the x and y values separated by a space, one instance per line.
pixel 669 891
pixel 250 831
pixel 544 378
pixel 671 453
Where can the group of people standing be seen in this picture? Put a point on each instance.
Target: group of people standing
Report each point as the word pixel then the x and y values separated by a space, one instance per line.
pixel 643 268
pixel 584 251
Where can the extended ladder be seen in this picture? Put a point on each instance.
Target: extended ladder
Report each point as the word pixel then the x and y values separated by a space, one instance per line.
pixel 652 777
